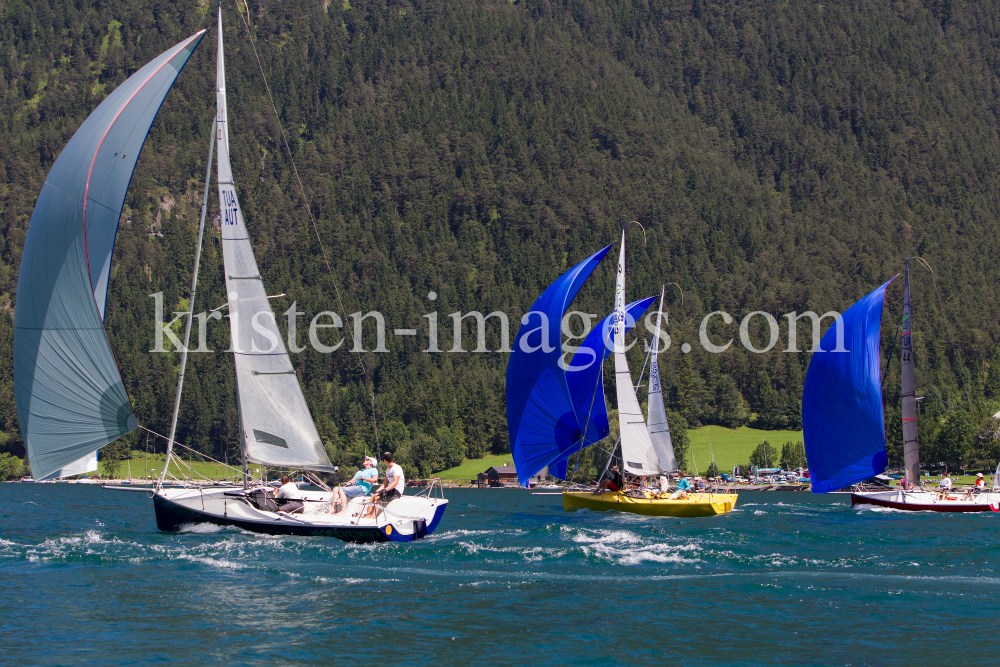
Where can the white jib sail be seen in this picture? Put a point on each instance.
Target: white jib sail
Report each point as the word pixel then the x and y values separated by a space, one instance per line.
pixel 659 430
pixel 637 451
pixel 278 429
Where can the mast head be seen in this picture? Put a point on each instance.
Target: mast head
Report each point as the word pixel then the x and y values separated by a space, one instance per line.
pixel 635 222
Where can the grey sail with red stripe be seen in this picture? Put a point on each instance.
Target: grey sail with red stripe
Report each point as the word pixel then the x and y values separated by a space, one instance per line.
pixel 911 451
pixel 69 391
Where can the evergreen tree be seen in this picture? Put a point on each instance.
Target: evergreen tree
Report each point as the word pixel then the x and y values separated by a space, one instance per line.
pixel 765 455
pixel 793 455
pixel 732 410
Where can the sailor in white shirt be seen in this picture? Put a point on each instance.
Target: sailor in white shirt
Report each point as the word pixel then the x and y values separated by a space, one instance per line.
pixel 395 482
pixel 944 487
pixel 288 497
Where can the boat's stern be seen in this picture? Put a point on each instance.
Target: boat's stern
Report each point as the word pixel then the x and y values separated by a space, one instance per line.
pixel 412 518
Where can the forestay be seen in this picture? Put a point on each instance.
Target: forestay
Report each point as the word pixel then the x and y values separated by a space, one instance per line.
pixel 638 455
pixel 540 416
pixel 585 376
pixel 843 426
pixel 278 429
pixel 67 385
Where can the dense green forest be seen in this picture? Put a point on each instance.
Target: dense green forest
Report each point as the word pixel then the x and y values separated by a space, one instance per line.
pixel 782 156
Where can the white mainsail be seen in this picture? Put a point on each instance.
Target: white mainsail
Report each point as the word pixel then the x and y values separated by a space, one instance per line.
pixel 659 430
pixel 278 429
pixel 638 455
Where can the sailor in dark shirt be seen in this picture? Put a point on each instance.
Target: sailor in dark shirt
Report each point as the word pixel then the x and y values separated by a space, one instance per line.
pixel 612 481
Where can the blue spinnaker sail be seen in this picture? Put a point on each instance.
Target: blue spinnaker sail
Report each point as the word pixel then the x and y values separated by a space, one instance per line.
pixel 540 416
pixel 585 376
pixel 67 385
pixel 842 419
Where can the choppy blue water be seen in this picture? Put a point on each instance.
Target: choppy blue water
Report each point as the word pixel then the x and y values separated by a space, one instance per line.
pixel 787 578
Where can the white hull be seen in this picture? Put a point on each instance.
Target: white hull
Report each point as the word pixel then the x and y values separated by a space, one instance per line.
pixel 929 501
pixel 402 520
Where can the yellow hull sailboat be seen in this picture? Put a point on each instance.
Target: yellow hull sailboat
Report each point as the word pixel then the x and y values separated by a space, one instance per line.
pixel 555 409
pixel 696 504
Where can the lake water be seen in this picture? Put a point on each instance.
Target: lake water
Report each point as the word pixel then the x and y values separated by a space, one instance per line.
pixel 786 578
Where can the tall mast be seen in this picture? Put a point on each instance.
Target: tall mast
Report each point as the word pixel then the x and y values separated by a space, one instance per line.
pixel 225 179
pixel 911 451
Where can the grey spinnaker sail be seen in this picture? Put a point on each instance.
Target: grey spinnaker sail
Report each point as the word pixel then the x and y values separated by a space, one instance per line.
pixel 69 391
pixel 659 430
pixel 278 429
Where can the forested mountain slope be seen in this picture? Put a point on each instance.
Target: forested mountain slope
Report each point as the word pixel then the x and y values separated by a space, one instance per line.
pixel 781 156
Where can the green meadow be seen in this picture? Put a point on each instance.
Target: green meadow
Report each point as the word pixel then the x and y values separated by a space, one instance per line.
pixel 139 467
pixel 731 446
pixel 472 467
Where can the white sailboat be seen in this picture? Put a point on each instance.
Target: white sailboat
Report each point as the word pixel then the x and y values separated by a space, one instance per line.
pixel 843 419
pixel 71 399
pixel 276 427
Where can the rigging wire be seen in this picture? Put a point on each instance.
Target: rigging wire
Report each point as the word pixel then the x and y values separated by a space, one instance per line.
pixel 312 218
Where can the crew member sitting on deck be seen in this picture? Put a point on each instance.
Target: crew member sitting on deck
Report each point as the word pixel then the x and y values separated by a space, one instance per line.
pixel 288 497
pixel 612 481
pixel 393 486
pixel 683 486
pixel 944 486
pixel 360 485
pixel 664 487
pixel 395 483
pixel 980 483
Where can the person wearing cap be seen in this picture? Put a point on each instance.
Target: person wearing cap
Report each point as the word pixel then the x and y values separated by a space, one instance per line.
pixel 980 483
pixel 360 485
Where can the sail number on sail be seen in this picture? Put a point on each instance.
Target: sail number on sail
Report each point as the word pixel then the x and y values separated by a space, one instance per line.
pixel 230 207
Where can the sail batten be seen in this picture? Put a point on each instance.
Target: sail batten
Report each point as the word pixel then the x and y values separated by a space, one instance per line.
pixel 277 426
pixel 842 420
pixel 69 391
